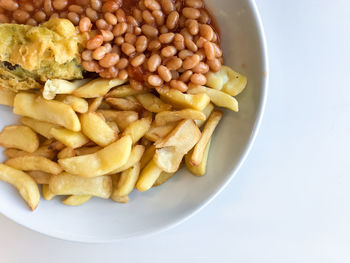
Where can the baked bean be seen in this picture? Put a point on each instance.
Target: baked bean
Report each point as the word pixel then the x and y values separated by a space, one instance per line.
pixel 122 63
pixel 167 6
pixel 59 4
pixel 110 18
pixel 20 16
pixel 178 5
pixel 215 38
pixel 192 13
pixel 130 29
pixel 201 54
pixel 182 21
pixel 109 73
pixel 217 49
pixel 85 24
pixel 128 49
pixel 204 16
pixel 137 13
pixel 153 62
pixel 154 45
pixel 27 7
pixel 172 20
pixel 148 17
pixel 163 29
pixel 185 53
pixel 174 63
pixel 194 3
pixel 154 80
pixel 164 73
pixel 92 14
pixel 120 29
pixel 168 51
pixel 107 35
pixel 192 26
pixel 76 9
pixel 96 4
pixel 55 15
pixel 190 62
pixel 159 16
pixel 137 30
pixel 209 50
pixel 149 31
pixel 201 67
pixel 123 74
pixel 152 4
pixel 73 17
pixel 179 85
pixel 40 16
pixel 142 5
pixel 179 41
pixel 4 19
pixel 116 49
pixel 110 6
pixel 101 24
pixel 91 66
pixel 120 15
pixel 138 60
pixel 186 34
pixel 119 40
pixel 141 44
pixel 63 14
pixel 130 38
pixel 200 42
pixel 38 3
pixel 99 53
pixel 198 79
pixel 175 74
pixel 136 85
pixel 186 76
pixel 94 42
pixel 132 21
pixel 31 22
pixel 48 7
pixel 9 5
pixel 214 65
pixel 190 45
pixel 206 31
pixel 82 2
pixel 166 38
pixel 109 60
pixel 108 47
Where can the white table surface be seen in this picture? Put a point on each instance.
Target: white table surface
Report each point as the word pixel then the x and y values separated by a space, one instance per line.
pixel 290 200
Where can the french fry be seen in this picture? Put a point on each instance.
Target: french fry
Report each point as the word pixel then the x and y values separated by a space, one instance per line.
pixel 227 80
pixel 7 96
pixel 102 162
pixel 55 146
pixel 68 184
pixel 60 86
pixel 202 167
pixel 163 177
pixel 75 200
pixel 145 142
pixel 69 138
pixel 164 117
pixel 47 194
pixel 25 184
pixel 206 111
pixel 168 158
pixel 219 98
pixel 123 91
pixel 208 130
pixel 157 132
pixel 114 126
pixel 182 100
pixel 19 137
pixel 33 163
pixel 135 156
pixel 95 127
pixel 147 156
pixel 148 176
pixel 127 181
pixel 97 88
pixel 36 107
pixel 124 104
pixel 138 129
pixel 120 199
pixel 86 150
pixel 66 153
pixel 43 151
pixel 152 103
pixel 40 177
pixel 122 118
pixel 78 104
pixel 41 127
pixel 95 104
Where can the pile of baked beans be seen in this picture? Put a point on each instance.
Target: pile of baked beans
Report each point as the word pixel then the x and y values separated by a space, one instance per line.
pixel 151 42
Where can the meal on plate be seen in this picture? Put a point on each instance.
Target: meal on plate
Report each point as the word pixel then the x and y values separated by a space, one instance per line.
pixel 112 95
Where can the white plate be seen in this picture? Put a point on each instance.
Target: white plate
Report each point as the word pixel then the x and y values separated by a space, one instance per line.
pixel 170 204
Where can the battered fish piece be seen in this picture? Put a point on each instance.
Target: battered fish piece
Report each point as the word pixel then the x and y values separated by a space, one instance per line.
pixel 31 55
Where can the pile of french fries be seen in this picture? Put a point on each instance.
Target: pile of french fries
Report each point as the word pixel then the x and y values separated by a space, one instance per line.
pixel 102 138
